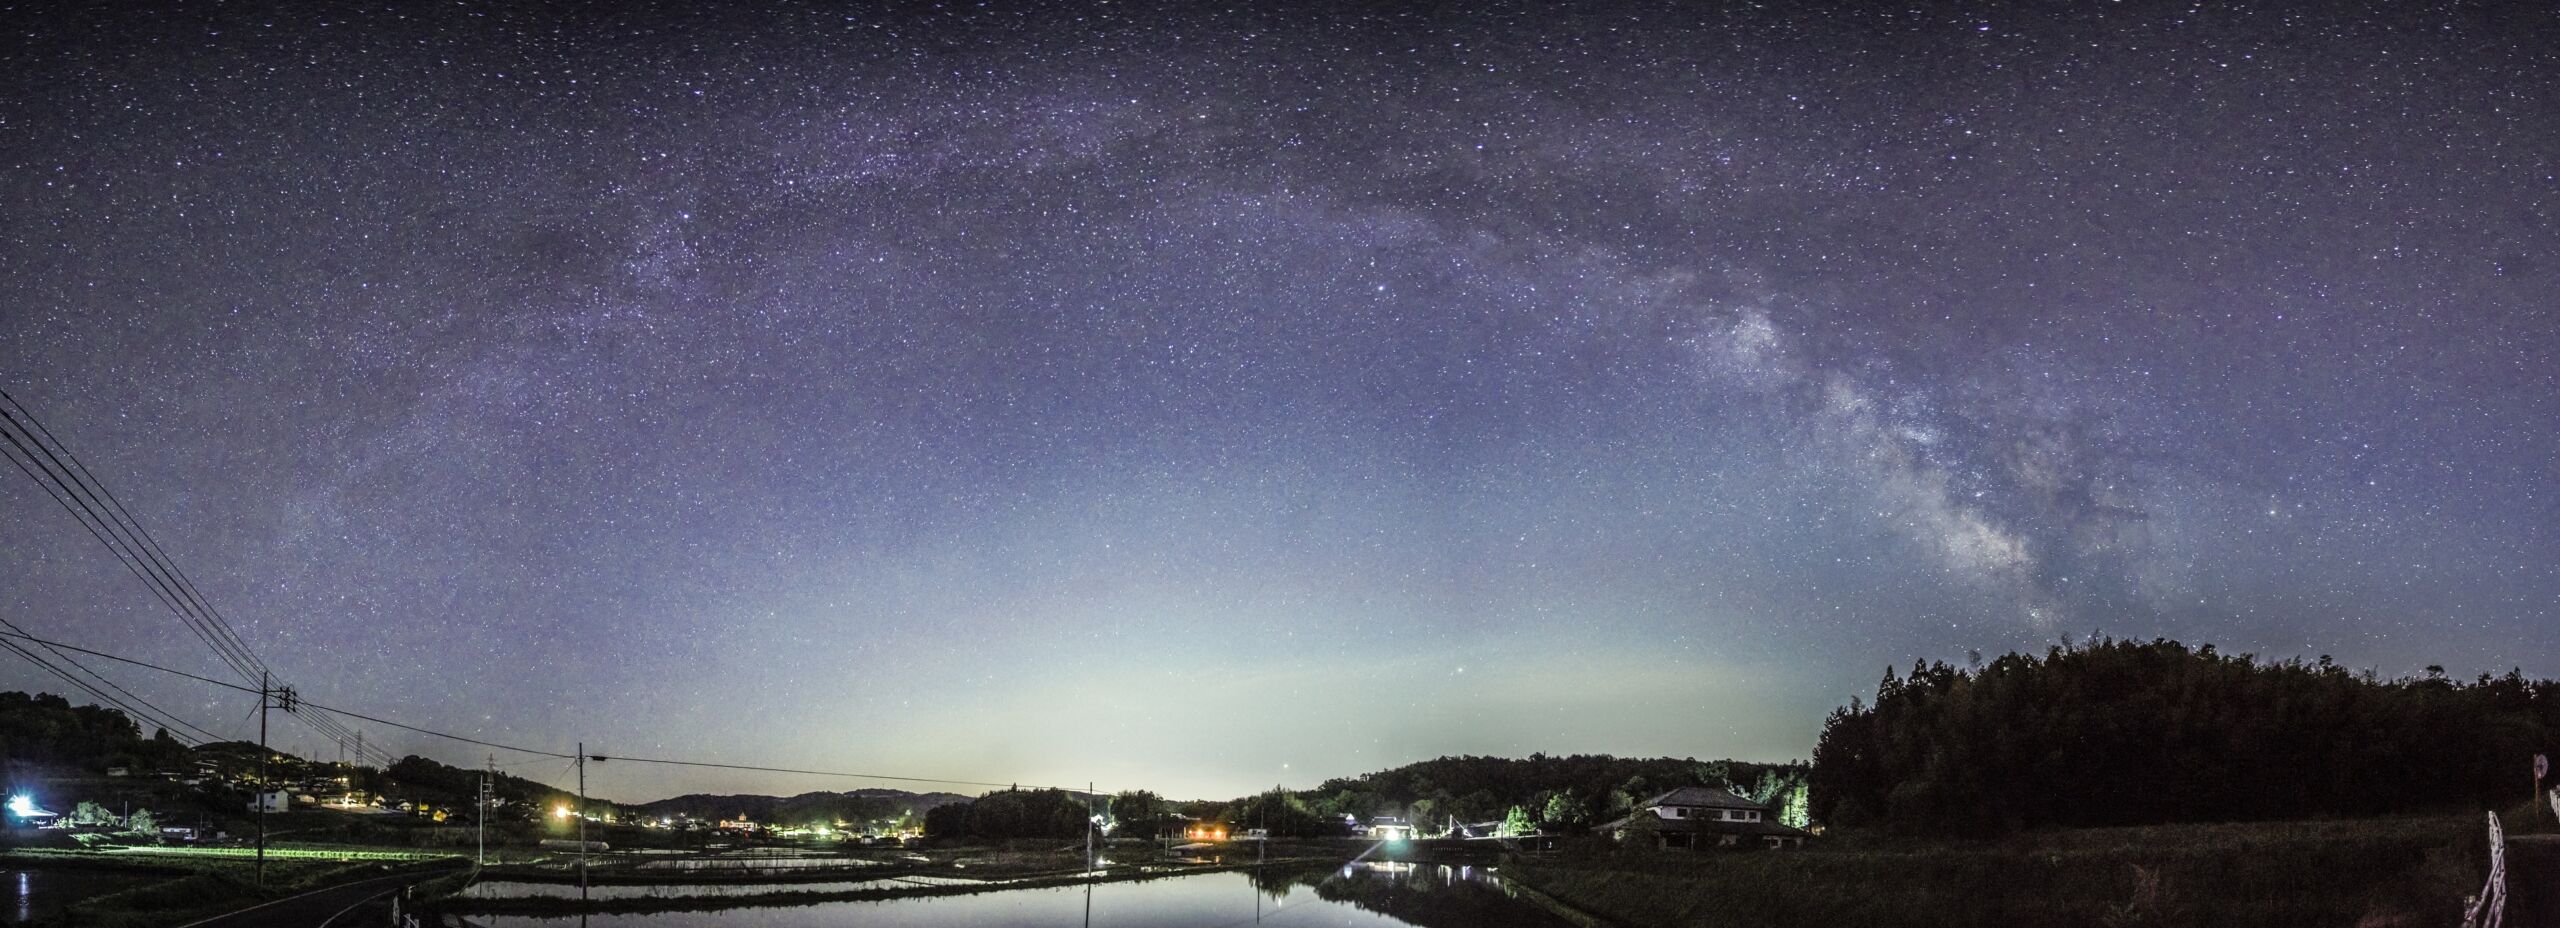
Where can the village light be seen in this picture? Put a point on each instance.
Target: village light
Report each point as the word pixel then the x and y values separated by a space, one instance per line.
pixel 559 811
pixel 22 806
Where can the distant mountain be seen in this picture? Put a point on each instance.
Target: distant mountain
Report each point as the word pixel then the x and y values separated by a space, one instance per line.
pixel 861 805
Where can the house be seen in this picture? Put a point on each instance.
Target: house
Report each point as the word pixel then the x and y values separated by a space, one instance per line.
pixel 1389 828
pixel 1703 817
pixel 24 811
pixel 273 800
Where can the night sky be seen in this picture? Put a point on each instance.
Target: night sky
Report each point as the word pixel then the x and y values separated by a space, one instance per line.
pixel 1200 400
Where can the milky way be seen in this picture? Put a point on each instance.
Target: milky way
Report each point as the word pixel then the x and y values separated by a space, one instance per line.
pixel 1199 400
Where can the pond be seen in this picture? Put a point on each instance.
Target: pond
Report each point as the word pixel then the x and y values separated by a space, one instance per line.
pixel 1375 894
pixel 27 895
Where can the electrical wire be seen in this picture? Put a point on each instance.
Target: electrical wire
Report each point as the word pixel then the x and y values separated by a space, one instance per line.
pixel 135 529
pixel 57 489
pixel 816 773
pixel 557 755
pixel 158 717
pixel 43 457
pixel 80 684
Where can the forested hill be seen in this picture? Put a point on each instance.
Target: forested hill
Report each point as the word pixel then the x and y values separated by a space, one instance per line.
pixel 46 731
pixel 415 777
pixel 1580 788
pixel 2124 732
pixel 860 805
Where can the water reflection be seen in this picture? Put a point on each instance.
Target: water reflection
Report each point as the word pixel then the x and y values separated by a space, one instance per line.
pixel 1366 893
pixel 34 894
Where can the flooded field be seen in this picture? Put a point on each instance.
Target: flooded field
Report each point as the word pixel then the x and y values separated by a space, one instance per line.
pixel 1361 894
pixel 27 895
pixel 518 889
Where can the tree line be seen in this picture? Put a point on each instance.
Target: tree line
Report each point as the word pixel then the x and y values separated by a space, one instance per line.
pixel 2119 732
pixel 45 730
pixel 1012 813
pixel 1566 792
pixel 1517 794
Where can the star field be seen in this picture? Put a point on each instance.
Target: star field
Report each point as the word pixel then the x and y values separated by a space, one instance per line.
pixel 1194 399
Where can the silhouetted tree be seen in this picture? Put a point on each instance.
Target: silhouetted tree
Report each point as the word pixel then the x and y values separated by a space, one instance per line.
pixel 2115 732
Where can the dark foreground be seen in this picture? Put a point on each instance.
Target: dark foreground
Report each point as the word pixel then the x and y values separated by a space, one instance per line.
pixel 2372 872
pixel 319 907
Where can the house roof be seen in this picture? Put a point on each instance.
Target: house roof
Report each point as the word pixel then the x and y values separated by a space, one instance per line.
pixel 1701 797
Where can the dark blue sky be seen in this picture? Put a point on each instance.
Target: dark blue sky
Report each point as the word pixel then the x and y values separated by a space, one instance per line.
pixel 1198 401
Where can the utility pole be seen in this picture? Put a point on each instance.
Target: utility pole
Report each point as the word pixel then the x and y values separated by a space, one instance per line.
pixel 1088 826
pixel 582 821
pixel 270 696
pixel 482 818
pixel 259 798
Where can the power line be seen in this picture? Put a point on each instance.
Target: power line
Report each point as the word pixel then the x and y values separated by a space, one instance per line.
pixel 817 773
pixel 80 492
pixel 158 717
pixel 150 543
pixel 146 665
pixel 429 731
pixel 57 489
pixel 557 755
pixel 325 726
pixel 305 703
pixel 80 684
pixel 331 729
pixel 43 457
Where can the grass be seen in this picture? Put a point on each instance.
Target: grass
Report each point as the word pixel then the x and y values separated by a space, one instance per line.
pixel 193 885
pixel 2412 871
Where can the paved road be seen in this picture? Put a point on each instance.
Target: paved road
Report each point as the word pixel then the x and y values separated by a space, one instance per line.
pixel 315 909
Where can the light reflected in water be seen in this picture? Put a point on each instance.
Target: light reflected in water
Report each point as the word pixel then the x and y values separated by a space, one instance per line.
pixel 1371 893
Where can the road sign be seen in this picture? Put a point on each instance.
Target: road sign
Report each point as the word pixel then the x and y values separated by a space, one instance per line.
pixel 2541 766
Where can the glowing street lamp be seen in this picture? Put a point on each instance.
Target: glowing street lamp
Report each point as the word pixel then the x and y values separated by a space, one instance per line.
pixel 22 806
